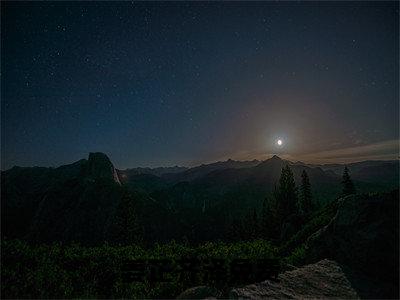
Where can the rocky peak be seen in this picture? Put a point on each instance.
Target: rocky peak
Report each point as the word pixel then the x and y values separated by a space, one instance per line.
pixel 275 157
pixel 274 161
pixel 100 166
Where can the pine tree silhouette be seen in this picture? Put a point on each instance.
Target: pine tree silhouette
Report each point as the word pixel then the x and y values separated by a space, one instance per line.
pixel 348 186
pixel 286 195
pixel 305 194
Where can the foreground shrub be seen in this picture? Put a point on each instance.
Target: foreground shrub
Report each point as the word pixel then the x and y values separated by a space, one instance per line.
pixel 73 271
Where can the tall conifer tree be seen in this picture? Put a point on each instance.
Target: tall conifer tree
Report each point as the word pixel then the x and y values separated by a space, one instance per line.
pixel 348 186
pixel 286 195
pixel 305 194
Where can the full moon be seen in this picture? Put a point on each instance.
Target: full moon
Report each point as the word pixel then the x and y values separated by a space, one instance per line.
pixel 279 142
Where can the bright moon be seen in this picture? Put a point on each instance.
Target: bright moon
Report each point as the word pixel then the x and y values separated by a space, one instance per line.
pixel 279 142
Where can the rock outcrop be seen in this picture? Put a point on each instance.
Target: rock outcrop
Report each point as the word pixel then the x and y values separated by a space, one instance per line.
pixel 323 280
pixel 364 236
pixel 100 166
pixel 200 292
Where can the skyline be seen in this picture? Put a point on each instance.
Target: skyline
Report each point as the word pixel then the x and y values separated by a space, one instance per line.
pixel 166 83
pixel 311 159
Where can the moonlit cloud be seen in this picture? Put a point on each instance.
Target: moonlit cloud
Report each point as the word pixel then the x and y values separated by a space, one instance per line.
pixel 377 151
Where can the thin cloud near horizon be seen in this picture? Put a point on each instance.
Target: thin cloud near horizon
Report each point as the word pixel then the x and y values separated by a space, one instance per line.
pixel 384 150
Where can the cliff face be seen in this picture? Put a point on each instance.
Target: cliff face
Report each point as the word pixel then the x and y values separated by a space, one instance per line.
pixel 71 202
pixel 100 166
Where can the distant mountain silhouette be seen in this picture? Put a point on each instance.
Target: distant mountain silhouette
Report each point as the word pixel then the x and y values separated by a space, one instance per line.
pixel 159 171
pixel 78 201
pixel 240 188
pixel 369 171
pixel 383 173
pixel 204 169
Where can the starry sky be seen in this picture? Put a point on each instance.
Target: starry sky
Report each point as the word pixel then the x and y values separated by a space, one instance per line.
pixel 182 83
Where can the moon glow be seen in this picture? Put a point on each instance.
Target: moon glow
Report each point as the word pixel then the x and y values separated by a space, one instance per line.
pixel 279 142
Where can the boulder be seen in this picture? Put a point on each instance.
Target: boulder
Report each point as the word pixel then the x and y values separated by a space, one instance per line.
pixel 200 292
pixel 321 280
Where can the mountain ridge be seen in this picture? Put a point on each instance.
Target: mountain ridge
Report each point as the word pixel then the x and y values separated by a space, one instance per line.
pixel 200 198
pixel 177 168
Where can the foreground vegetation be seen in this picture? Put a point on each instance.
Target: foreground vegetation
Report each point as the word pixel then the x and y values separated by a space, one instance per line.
pixel 74 271
pixel 70 270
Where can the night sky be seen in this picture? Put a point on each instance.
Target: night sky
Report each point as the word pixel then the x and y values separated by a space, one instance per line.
pixel 164 83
